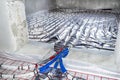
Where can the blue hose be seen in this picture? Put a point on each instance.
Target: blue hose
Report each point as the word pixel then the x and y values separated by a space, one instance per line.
pixel 57 60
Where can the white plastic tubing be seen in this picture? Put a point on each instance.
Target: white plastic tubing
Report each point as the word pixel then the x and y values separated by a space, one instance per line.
pixel 12 68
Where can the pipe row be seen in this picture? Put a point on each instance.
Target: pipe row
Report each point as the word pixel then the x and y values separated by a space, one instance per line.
pixel 83 28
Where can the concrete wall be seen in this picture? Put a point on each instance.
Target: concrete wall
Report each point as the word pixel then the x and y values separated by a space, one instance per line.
pixel 6 38
pixel 17 22
pixel 13 28
pixel 117 49
pixel 89 4
pixel 37 5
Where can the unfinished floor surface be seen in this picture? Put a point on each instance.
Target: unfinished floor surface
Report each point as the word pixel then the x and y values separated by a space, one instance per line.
pixel 11 68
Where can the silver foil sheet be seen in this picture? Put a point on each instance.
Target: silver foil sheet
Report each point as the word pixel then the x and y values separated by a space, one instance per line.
pixel 81 29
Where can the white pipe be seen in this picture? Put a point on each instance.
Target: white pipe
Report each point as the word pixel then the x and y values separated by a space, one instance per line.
pixel 29 67
pixel 26 75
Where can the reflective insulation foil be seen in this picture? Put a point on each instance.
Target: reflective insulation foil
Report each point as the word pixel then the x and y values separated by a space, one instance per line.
pixel 75 27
